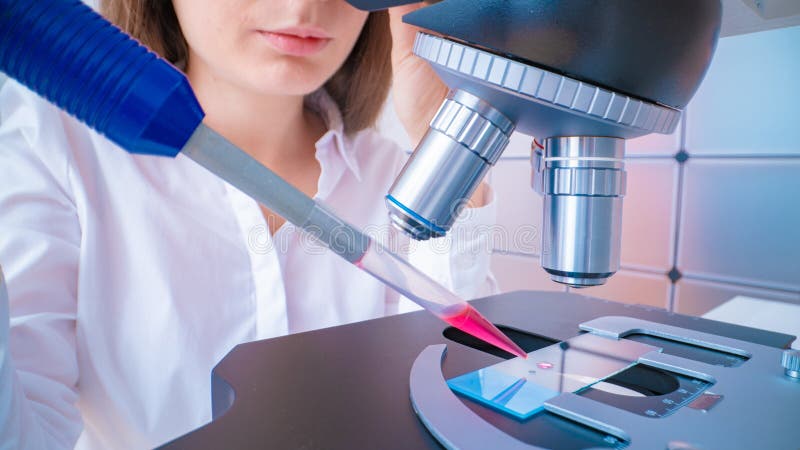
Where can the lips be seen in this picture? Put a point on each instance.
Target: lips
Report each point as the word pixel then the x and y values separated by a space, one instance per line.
pixel 297 41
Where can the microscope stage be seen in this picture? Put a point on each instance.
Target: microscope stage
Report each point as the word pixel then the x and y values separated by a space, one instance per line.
pixel 717 394
pixel 349 386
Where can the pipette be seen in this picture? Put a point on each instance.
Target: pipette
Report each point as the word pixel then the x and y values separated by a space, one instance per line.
pixel 73 57
pixel 221 157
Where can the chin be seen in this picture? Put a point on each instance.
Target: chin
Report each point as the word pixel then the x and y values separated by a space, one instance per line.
pixel 290 78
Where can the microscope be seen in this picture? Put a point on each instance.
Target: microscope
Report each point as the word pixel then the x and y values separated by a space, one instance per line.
pixel 582 77
pixel 579 75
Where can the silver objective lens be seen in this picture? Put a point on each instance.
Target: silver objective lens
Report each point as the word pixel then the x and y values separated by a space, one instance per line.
pixel 582 181
pixel 465 138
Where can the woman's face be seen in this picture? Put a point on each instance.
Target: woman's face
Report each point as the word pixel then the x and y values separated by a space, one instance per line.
pixel 283 47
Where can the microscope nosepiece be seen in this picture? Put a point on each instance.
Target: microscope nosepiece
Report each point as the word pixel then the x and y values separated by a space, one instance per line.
pixel 582 181
pixel 465 138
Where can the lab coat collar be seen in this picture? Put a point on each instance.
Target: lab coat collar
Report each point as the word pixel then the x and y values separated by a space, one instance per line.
pixel 322 103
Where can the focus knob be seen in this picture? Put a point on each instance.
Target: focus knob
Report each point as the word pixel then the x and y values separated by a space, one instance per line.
pixel 791 363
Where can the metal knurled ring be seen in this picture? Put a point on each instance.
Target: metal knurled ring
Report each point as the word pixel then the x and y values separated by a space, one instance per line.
pixel 546 87
pixel 470 129
pixel 599 182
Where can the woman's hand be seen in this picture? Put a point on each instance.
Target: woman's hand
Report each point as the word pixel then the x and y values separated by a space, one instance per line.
pixel 417 92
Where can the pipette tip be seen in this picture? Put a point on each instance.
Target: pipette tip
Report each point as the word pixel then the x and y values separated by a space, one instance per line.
pixel 470 321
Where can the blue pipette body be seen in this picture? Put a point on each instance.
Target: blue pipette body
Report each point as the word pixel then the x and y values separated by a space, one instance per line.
pixel 73 57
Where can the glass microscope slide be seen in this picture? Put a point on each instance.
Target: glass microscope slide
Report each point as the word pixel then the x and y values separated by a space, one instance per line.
pixel 520 387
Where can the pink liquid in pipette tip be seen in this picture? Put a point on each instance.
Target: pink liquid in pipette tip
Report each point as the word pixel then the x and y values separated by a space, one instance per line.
pixel 470 321
pixel 420 289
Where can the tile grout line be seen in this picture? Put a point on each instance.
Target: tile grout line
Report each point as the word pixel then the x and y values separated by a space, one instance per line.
pixel 746 156
pixel 740 283
pixel 678 215
pixel 642 270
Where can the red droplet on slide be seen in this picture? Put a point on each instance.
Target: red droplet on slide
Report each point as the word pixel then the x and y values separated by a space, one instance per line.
pixel 470 321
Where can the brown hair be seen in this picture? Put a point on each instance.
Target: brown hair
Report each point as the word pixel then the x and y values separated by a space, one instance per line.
pixel 359 87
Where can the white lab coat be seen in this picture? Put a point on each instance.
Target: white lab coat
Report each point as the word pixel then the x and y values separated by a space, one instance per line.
pixel 131 276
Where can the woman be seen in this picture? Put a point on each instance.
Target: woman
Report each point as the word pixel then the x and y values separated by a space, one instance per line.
pixel 130 276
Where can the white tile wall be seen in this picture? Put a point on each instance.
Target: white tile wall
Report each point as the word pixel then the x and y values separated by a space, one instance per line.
pixel 519 146
pixel 515 272
pixel 519 208
pixel 741 221
pixel 648 209
pixel 749 101
pixel 697 297
pixel 655 144
pixel 633 287
pixel 647 219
